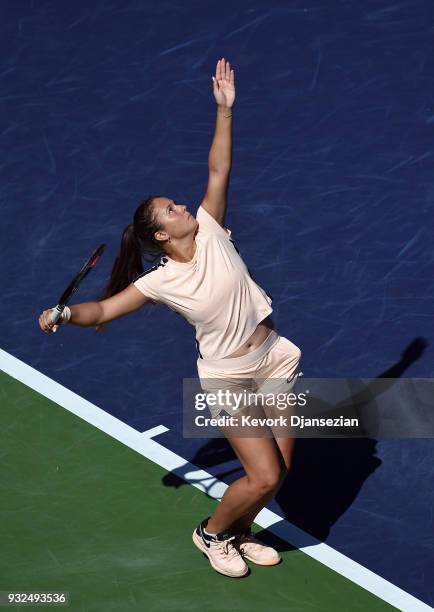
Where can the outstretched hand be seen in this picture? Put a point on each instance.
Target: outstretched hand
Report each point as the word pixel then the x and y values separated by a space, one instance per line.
pixel 224 84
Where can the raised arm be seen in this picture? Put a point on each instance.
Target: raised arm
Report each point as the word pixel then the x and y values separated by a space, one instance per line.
pixel 220 155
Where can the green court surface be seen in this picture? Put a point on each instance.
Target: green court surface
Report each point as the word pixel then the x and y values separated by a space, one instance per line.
pixel 83 513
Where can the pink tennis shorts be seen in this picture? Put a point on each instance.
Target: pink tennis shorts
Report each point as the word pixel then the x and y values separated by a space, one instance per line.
pixel 272 367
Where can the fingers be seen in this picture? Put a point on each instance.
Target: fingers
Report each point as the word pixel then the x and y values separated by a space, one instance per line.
pixel 218 71
pixel 45 322
pixel 224 71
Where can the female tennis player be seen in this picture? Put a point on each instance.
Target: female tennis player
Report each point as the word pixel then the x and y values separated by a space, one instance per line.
pixel 201 275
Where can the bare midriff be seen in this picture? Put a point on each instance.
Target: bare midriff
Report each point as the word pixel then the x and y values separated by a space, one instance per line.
pixel 256 339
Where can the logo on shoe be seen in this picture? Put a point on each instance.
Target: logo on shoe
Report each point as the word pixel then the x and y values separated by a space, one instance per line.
pixel 202 535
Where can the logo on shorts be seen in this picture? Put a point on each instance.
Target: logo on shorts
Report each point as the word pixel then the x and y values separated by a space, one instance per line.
pixel 296 375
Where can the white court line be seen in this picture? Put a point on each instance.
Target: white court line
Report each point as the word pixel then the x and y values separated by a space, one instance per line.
pixel 149 448
pixel 155 431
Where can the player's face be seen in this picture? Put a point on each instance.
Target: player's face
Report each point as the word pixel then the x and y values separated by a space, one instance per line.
pixel 174 218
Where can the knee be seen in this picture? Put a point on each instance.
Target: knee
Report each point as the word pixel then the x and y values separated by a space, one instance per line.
pixel 269 481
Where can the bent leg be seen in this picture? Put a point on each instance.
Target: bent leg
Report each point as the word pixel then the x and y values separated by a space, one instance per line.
pixel 286 446
pixel 265 470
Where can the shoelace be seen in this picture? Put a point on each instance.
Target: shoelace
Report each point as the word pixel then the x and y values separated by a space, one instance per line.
pixel 224 550
pixel 245 538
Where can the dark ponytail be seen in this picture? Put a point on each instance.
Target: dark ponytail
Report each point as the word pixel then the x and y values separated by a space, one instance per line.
pixel 138 244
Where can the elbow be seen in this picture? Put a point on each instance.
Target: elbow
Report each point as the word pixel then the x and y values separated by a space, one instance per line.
pixel 220 169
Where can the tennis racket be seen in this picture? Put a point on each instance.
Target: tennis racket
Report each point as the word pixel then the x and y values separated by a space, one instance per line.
pixel 56 313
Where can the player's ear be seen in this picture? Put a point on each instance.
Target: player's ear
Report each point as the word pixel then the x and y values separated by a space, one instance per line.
pixel 161 235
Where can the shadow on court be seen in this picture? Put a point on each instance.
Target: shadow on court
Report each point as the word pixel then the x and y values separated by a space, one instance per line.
pixel 326 473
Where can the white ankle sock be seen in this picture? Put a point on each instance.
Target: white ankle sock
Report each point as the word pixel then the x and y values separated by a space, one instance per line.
pixel 213 535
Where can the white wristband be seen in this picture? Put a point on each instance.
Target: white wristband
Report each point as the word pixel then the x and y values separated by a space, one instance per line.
pixel 65 316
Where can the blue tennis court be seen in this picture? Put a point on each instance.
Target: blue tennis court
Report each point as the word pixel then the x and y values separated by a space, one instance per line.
pixel 330 204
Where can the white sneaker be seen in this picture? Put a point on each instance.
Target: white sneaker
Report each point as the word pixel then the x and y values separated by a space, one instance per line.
pixel 219 549
pixel 254 550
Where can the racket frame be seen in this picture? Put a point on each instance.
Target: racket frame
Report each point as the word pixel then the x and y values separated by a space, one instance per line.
pixel 66 296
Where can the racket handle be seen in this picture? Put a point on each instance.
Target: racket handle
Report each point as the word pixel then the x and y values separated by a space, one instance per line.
pixel 56 313
pixel 61 314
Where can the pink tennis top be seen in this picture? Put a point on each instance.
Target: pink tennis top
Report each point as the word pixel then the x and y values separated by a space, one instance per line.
pixel 213 291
